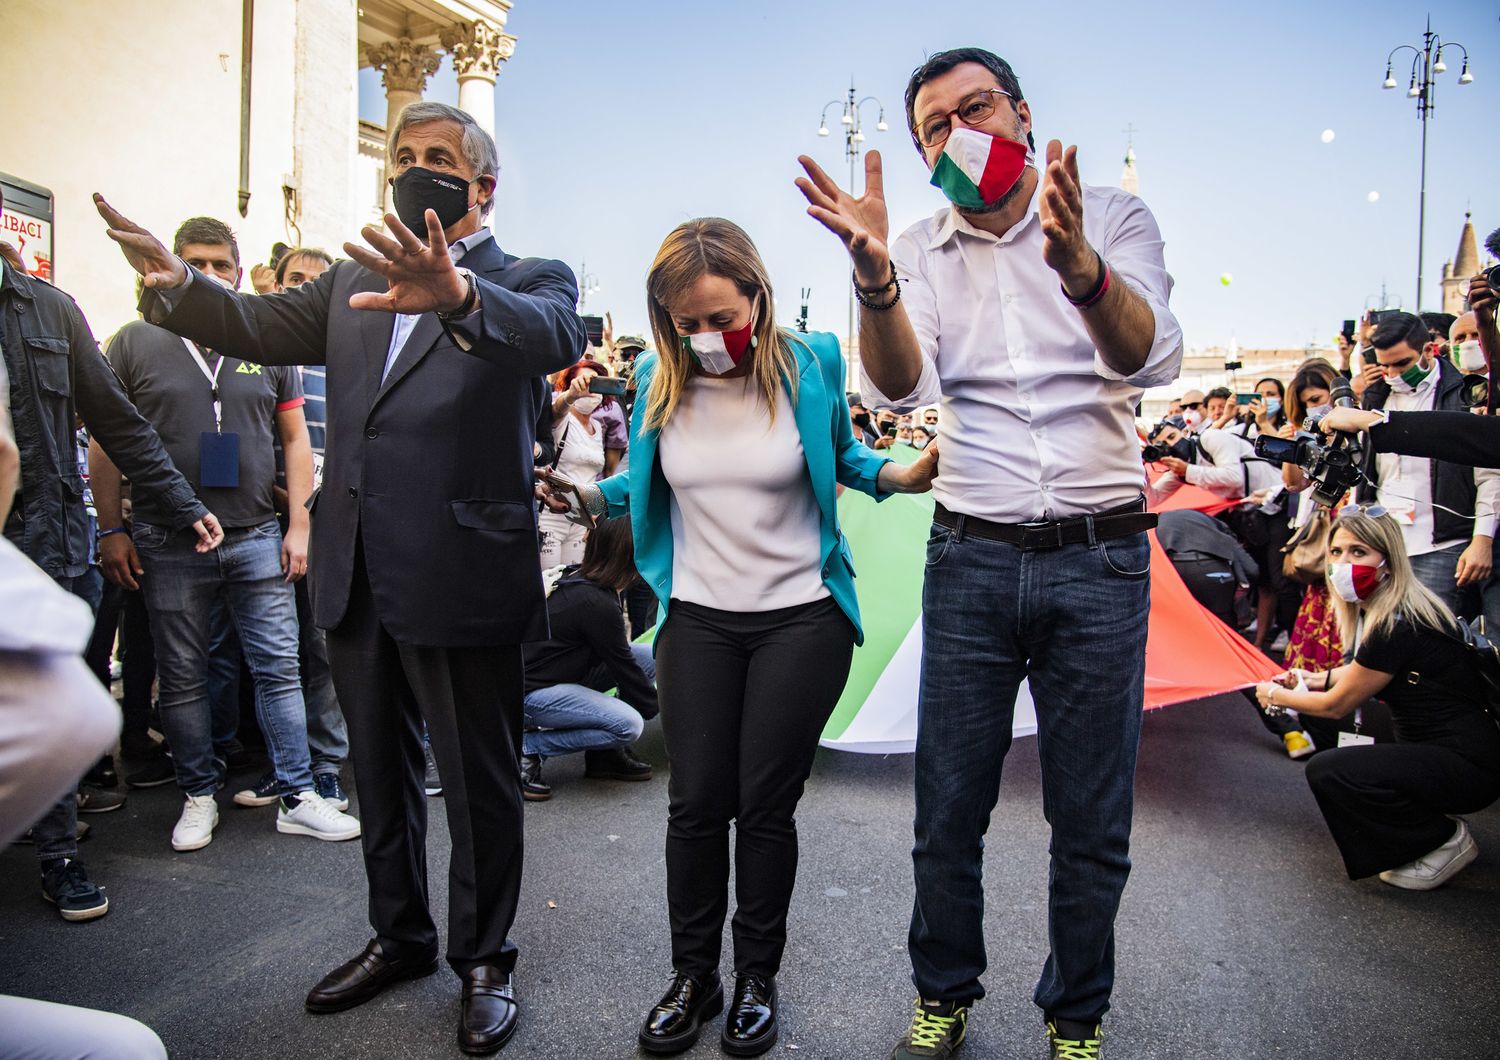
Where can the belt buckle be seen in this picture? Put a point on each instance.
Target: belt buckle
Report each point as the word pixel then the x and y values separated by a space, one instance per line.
pixel 1035 536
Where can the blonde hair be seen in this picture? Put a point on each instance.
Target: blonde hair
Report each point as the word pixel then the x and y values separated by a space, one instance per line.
pixel 1398 595
pixel 711 246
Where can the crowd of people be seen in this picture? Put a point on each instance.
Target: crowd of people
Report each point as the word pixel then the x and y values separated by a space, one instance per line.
pixel 495 512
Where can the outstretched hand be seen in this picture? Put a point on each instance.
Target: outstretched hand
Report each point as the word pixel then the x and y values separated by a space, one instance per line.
pixel 421 276
pixel 1064 248
pixel 863 224
pixel 158 266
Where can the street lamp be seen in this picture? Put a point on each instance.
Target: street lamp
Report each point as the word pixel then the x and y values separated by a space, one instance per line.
pixel 853 136
pixel 1427 62
pixel 588 284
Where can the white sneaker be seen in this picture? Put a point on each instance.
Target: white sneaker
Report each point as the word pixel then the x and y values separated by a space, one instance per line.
pixel 195 828
pixel 1280 643
pixel 1437 868
pixel 317 817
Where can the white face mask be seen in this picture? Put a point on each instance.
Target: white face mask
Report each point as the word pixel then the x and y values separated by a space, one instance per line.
pixel 1193 418
pixel 587 404
pixel 1470 356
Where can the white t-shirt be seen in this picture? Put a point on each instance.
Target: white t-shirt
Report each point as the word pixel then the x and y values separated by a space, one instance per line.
pixel 582 456
pixel 745 523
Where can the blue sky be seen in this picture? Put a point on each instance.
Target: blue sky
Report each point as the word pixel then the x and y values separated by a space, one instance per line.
pixel 616 122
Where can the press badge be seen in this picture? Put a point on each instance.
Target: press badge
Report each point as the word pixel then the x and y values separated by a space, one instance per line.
pixel 1354 739
pixel 219 459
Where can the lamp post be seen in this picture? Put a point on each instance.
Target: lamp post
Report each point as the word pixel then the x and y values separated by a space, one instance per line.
pixel 588 284
pixel 853 136
pixel 1426 63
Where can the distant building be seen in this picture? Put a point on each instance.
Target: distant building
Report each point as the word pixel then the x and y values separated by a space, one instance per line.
pixel 1129 179
pixel 261 128
pixel 1457 273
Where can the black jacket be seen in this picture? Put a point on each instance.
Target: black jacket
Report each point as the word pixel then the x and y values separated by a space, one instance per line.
pixel 589 646
pixel 430 470
pixel 1461 437
pixel 1452 484
pixel 57 374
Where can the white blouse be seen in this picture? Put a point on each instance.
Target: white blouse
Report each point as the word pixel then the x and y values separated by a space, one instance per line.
pixel 745 522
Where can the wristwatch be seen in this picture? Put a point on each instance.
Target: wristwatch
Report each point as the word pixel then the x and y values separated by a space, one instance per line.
pixel 470 302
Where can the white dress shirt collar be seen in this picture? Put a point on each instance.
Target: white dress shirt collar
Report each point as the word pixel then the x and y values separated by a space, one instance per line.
pixel 952 222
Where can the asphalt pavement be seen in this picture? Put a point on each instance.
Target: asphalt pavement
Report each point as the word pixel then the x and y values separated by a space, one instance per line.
pixel 1239 935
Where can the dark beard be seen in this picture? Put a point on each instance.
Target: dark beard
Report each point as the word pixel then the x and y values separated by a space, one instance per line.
pixel 998 205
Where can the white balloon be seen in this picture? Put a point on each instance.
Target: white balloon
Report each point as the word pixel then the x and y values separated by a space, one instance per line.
pixel 1327 136
pixel 1374 196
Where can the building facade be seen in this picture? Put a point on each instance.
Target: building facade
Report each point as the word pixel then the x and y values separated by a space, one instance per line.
pixel 245 111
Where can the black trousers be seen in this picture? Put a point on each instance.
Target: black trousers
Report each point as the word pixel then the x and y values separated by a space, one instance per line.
pixel 125 610
pixel 470 699
pixel 744 698
pixel 1388 804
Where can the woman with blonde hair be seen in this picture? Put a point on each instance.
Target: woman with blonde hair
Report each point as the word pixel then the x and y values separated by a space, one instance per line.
pixel 740 438
pixel 1392 807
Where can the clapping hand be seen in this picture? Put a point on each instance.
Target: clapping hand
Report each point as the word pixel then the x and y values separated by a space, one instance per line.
pixel 421 276
pixel 1064 248
pixel 863 224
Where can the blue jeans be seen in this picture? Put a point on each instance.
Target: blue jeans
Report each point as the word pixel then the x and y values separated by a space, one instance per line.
pixel 1072 620
pixel 56 832
pixel 182 588
pixel 1438 571
pixel 327 735
pixel 579 718
pixel 223 679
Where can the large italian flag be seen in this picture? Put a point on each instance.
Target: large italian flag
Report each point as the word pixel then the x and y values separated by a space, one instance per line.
pixel 877 713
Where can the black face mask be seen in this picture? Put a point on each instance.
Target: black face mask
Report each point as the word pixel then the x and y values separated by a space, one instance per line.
pixel 419 190
pixel 861 419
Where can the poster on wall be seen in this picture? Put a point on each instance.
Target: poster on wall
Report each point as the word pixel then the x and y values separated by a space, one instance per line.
pixel 26 224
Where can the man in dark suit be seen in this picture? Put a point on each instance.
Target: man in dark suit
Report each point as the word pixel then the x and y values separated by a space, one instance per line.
pixel 424 556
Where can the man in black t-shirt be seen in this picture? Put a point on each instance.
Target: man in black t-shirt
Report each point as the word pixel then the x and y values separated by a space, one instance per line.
pixel 216 416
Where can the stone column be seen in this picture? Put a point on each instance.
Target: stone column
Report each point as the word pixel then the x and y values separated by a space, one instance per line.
pixel 404 69
pixel 478 49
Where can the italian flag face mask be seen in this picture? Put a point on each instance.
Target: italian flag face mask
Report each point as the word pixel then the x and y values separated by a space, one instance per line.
pixel 976 169
pixel 1354 582
pixel 720 352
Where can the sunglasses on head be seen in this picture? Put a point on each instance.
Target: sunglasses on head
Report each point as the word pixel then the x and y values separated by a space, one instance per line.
pixel 1374 511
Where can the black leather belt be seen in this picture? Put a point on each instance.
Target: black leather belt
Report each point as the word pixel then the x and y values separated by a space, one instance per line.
pixel 1123 521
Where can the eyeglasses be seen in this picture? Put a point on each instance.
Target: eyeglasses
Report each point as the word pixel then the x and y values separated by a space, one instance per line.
pixel 1374 511
pixel 971 110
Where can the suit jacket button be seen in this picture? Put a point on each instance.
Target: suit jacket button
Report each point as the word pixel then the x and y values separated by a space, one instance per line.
pixel 372 433
pixel 353 492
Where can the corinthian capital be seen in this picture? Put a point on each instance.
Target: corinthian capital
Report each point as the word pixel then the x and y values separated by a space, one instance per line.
pixel 478 49
pixel 404 65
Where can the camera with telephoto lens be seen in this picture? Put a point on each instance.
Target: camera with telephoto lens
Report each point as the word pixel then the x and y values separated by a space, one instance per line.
pixel 1332 465
pixel 1153 453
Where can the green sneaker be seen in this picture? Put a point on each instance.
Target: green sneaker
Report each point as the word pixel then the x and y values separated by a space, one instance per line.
pixel 937 1029
pixel 1080 1048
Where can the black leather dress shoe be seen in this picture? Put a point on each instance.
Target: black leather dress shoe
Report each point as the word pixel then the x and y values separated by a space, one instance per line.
pixel 672 1026
pixel 750 1025
pixel 489 1012
pixel 533 787
pixel 617 763
pixel 357 981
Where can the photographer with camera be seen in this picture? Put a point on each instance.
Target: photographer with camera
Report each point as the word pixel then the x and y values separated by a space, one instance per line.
pixel 1225 464
pixel 1446 511
pixel 1391 807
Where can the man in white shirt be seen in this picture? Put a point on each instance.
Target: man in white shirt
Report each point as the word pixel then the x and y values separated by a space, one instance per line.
pixel 1035 310
pixel 1216 460
pixel 1447 511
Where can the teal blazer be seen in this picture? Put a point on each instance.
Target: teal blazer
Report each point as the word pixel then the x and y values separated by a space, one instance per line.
pixel 821 411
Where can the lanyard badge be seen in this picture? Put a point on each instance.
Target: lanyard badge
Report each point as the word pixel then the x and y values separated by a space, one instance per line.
pixel 218 453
